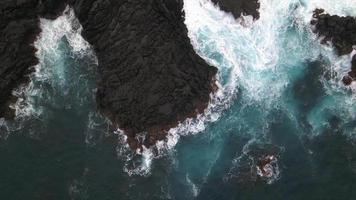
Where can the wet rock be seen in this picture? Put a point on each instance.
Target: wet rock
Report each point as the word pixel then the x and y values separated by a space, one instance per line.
pixel 265 166
pixel 347 80
pixel 341 32
pixel 351 76
pixel 150 78
pixel 353 63
pixel 258 163
pixel 240 7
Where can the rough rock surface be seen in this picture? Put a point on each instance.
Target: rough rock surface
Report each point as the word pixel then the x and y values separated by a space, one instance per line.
pixel 341 32
pixel 150 78
pixel 238 7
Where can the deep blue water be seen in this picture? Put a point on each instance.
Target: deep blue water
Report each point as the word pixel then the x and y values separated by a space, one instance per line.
pixel 280 95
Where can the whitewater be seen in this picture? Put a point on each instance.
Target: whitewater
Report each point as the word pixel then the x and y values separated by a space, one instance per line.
pixel 277 85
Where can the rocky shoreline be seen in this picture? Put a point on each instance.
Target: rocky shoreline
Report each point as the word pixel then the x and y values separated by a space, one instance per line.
pixel 341 32
pixel 19 28
pixel 150 78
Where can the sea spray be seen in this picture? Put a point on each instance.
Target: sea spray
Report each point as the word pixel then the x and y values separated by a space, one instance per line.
pixel 255 60
pixel 63 80
pixel 259 61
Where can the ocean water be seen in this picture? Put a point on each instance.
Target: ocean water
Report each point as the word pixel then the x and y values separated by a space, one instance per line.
pixel 280 97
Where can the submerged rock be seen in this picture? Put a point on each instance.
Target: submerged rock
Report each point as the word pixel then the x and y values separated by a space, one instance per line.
pixel 341 32
pixel 150 78
pixel 240 7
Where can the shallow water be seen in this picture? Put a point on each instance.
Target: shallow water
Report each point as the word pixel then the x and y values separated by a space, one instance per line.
pixel 280 94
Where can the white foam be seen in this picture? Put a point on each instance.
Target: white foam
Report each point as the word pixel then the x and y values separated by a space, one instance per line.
pixel 339 100
pixel 194 188
pixel 249 55
pixel 139 163
pixel 67 25
pixel 248 51
pixel 271 170
pixel 333 7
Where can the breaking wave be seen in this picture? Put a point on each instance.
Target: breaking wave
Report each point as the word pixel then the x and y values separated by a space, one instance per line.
pixel 63 81
pixel 258 62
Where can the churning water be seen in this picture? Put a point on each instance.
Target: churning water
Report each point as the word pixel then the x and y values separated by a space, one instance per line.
pixel 280 99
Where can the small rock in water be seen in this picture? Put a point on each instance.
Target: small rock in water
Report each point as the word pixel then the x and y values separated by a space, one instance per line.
pixel 265 166
pixel 258 163
pixel 347 80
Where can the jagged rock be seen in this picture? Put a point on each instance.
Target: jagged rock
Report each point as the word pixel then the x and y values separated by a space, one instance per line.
pixel 341 32
pixel 238 7
pixel 150 78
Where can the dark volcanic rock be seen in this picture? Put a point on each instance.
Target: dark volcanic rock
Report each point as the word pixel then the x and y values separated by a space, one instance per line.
pixel 353 63
pixel 341 31
pixel 19 27
pixel 238 7
pixel 150 78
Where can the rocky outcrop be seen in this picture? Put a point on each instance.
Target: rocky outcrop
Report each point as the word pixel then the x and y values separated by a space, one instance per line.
pixel 150 78
pixel 341 32
pixel 240 7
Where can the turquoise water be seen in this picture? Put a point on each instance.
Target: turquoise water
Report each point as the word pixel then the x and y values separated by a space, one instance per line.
pixel 280 94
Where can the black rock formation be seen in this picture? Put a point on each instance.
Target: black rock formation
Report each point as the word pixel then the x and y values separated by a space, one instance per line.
pixel 341 32
pixel 238 7
pixel 150 78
